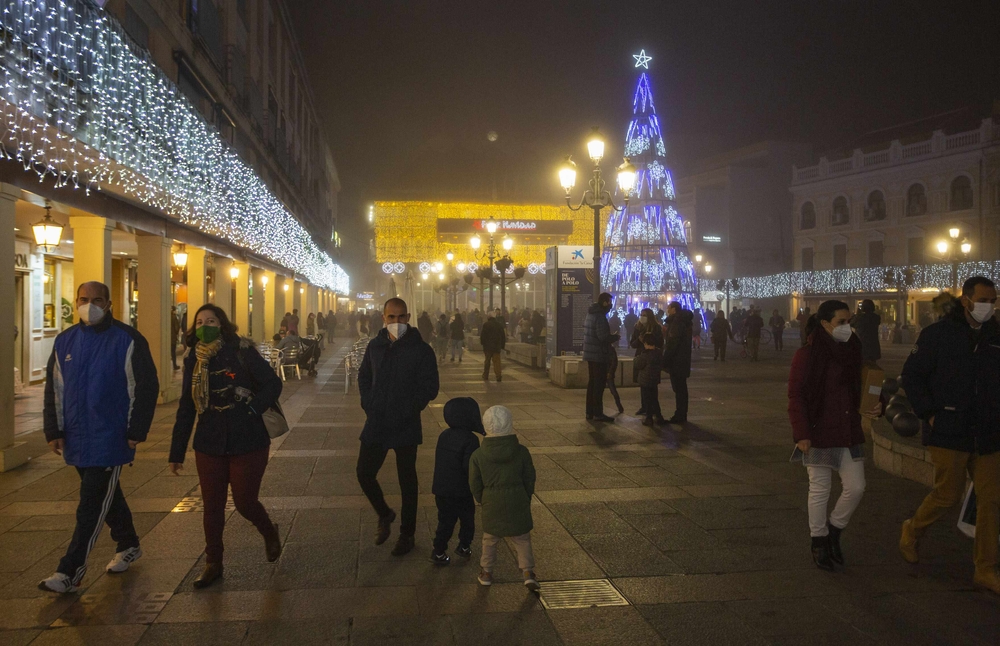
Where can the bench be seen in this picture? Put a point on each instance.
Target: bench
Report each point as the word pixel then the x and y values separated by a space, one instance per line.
pixel 526 354
pixel 571 372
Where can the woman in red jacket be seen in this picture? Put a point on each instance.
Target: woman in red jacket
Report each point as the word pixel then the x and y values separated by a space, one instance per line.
pixel 824 396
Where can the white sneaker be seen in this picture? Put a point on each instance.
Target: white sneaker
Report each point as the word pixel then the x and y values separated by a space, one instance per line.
pixel 123 559
pixel 58 582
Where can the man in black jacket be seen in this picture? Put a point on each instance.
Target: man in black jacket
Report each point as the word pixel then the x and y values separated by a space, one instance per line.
pixel 952 379
pixel 397 379
pixel 493 338
pixel 597 340
pixel 866 323
pixel 677 357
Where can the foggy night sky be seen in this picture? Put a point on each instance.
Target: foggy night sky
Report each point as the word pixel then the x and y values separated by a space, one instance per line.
pixel 408 90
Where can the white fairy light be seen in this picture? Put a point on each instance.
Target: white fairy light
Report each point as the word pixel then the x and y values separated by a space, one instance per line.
pixel 86 109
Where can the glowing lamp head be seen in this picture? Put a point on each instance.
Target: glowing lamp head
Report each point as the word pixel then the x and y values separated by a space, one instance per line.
pixel 966 247
pixel 491 226
pixel 234 272
pixel 302 290
pixel 708 269
pixel 626 177
pixel 285 287
pixel 567 174
pixel 180 259
pixel 461 266
pixel 47 232
pixel 424 276
pixel 942 247
pixel 698 257
pixel 438 266
pixel 954 232
pixel 508 243
pixel 595 146
pixel 440 276
pixel 476 242
pixel 263 280
pixel 450 256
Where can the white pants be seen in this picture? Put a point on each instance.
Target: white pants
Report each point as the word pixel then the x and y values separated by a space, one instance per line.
pixel 522 545
pixel 852 476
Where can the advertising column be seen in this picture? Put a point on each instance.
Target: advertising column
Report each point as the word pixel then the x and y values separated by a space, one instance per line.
pixel 569 286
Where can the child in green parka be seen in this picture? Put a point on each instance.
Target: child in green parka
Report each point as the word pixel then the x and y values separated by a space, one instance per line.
pixel 502 479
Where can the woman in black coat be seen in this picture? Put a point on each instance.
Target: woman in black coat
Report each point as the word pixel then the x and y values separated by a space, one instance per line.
pixel 647 324
pixel 228 386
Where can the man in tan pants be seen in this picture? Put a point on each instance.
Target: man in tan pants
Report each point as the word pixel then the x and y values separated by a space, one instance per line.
pixel 952 378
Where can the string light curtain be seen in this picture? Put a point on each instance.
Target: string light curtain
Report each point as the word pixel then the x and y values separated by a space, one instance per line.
pixel 89 109
pixel 869 280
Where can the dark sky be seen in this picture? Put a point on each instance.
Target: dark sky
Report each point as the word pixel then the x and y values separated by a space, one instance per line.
pixel 408 90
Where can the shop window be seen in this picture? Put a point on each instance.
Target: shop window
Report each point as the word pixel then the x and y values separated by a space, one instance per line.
pixel 840 256
pixel 841 212
pixel 875 209
pixel 961 193
pixel 916 200
pixel 807 259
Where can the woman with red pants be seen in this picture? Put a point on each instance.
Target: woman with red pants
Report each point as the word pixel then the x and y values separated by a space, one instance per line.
pixel 228 385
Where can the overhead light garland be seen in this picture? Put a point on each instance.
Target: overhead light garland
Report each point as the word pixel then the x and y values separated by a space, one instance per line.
pixel 86 108
pixel 868 280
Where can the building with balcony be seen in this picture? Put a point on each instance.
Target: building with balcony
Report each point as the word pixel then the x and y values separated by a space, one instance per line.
pixel 138 130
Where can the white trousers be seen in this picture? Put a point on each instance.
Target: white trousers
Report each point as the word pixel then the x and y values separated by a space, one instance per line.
pixel 522 545
pixel 852 476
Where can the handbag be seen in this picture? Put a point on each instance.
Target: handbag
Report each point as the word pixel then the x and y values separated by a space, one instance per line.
pixel 274 417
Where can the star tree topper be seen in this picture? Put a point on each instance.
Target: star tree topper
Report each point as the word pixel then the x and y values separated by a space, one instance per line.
pixel 641 60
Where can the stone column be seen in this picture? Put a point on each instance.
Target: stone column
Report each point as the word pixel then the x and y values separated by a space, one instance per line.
pixel 224 285
pixel 92 254
pixel 297 292
pixel 259 303
pixel 270 302
pixel 153 307
pixel 12 453
pixel 242 317
pixel 282 290
pixel 197 287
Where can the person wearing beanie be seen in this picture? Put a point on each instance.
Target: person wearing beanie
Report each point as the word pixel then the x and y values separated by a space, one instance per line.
pixel 452 495
pixel 502 480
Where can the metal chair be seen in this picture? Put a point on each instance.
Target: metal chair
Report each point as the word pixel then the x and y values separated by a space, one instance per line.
pixel 290 359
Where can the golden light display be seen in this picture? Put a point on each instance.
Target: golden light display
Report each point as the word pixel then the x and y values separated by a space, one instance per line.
pixel 408 231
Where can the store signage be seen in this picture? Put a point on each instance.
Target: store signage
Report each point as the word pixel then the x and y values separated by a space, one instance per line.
pixel 576 256
pixel 21 261
pixel 547 231
pixel 711 239
pixel 365 296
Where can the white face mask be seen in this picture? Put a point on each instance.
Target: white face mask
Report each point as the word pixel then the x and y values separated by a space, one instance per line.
pixel 90 314
pixel 842 332
pixel 397 329
pixel 982 312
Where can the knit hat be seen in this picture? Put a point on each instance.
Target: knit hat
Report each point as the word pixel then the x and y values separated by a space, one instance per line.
pixel 498 421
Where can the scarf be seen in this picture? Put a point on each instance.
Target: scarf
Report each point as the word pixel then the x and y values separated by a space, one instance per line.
pixel 203 353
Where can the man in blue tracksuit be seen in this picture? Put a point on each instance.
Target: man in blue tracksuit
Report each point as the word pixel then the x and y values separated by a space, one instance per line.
pixel 100 397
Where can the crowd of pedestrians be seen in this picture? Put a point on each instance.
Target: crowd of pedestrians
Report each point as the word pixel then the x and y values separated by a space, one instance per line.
pixel 951 379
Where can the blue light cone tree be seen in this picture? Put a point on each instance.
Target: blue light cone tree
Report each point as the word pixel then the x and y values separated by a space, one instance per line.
pixel 645 260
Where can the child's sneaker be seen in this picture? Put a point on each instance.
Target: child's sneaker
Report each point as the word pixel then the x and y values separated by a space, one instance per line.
pixel 464 551
pixel 485 578
pixel 530 581
pixel 58 582
pixel 440 559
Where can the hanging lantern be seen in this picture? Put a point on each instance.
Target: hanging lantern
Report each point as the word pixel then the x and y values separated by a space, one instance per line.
pixel 181 257
pixel 48 232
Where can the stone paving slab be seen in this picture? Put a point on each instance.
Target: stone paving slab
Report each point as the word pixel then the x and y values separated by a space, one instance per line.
pixel 702 528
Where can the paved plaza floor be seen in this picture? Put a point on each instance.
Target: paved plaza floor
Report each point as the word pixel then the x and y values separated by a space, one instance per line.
pixel 702 530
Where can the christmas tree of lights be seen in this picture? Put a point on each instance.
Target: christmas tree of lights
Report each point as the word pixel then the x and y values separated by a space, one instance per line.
pixel 645 260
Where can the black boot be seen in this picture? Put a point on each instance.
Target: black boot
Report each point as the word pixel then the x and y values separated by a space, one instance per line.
pixel 821 553
pixel 835 552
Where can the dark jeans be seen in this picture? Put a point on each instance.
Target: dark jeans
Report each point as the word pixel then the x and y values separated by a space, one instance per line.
pixel 101 501
pixel 217 474
pixel 370 461
pixel 596 382
pixel 720 349
pixel 779 343
pixel 450 511
pixel 680 387
pixel 649 397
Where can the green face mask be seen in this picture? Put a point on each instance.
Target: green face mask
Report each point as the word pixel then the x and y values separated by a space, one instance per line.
pixel 207 333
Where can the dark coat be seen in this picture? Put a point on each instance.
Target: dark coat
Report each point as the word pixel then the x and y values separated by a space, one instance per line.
pixel 824 392
pixel 753 325
pixel 866 325
pixel 457 329
pixel 493 337
pixel 636 342
pixel 597 335
pixel 720 329
pixel 953 375
pixel 426 326
pixel 238 429
pixel 537 325
pixel 502 479
pixel 677 345
pixel 648 365
pixel 397 380
pixel 455 446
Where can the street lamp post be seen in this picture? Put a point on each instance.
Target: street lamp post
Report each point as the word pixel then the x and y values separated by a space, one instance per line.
pixel 491 253
pixel 596 197
pixel 729 284
pixel 502 266
pixel 954 252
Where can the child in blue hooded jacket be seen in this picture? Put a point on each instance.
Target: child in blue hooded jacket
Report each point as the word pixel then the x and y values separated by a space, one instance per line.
pixel 451 478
